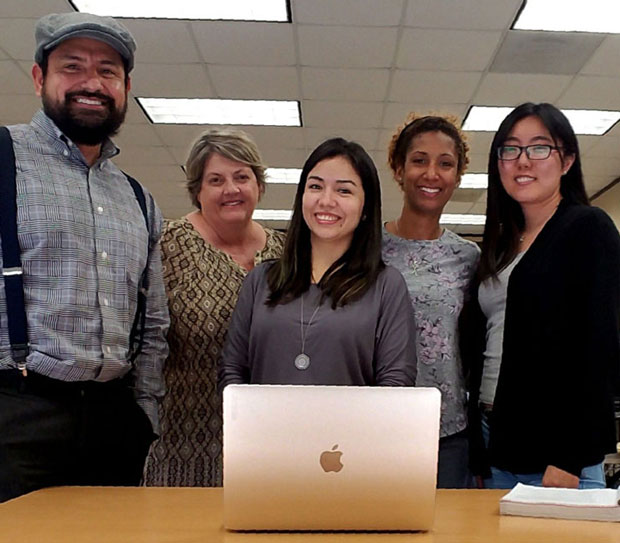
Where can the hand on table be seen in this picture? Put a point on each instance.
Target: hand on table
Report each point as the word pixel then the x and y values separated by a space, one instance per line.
pixel 559 478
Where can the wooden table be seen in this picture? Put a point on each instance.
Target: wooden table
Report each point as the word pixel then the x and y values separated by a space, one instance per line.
pixel 188 515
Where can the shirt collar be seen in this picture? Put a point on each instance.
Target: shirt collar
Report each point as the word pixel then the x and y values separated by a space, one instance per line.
pixel 43 123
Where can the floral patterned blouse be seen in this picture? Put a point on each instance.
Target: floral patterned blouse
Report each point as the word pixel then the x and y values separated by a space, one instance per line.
pixel 438 273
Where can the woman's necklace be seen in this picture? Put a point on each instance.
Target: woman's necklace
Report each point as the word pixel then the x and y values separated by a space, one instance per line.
pixel 302 360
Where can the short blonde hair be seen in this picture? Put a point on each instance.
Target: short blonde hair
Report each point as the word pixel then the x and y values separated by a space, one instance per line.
pixel 233 144
pixel 420 124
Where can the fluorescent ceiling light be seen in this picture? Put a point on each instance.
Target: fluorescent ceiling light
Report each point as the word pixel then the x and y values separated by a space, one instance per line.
pixel 285 176
pixel 456 218
pixel 589 122
pixel 215 111
pixel 230 10
pixel 474 181
pixel 570 16
pixel 485 118
pixel 272 214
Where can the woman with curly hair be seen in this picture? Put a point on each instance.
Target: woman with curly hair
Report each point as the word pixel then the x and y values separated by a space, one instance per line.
pixel 428 156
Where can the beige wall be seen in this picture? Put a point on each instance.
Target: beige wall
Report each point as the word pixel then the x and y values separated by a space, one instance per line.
pixel 610 202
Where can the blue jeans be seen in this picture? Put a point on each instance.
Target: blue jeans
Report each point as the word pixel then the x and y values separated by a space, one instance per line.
pixel 590 476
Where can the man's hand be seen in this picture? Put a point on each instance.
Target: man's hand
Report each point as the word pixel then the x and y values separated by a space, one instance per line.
pixel 559 478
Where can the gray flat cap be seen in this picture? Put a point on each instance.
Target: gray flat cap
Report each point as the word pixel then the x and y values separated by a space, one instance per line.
pixel 55 28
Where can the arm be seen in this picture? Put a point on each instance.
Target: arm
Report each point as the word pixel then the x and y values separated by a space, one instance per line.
pixel 233 366
pixel 147 370
pixel 395 353
pixel 590 369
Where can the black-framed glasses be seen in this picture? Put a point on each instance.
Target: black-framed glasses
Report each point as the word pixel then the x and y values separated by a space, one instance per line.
pixel 533 152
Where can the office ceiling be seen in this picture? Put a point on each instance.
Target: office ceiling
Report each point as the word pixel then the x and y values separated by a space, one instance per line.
pixel 356 66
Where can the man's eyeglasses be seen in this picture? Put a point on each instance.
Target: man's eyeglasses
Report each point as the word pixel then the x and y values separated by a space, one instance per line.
pixel 533 152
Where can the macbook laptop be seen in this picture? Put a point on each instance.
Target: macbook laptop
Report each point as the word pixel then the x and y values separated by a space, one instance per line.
pixel 330 457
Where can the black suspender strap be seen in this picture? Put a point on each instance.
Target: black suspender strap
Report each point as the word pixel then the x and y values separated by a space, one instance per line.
pixel 11 261
pixel 12 267
pixel 136 337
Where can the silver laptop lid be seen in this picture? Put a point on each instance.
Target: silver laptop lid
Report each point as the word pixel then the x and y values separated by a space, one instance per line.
pixel 330 458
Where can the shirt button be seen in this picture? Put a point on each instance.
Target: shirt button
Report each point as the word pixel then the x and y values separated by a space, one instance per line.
pixel 100 210
pixel 105 302
pixel 65 152
pixel 104 255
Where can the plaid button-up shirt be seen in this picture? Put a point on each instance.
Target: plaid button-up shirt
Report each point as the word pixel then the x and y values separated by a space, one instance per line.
pixel 84 246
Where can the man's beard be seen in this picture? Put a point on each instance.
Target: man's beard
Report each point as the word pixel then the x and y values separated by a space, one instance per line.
pixel 82 126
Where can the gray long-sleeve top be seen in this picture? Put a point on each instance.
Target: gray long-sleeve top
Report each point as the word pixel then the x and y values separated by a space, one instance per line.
pixel 368 342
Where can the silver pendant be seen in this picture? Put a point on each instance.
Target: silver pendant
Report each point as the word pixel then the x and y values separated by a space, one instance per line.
pixel 302 361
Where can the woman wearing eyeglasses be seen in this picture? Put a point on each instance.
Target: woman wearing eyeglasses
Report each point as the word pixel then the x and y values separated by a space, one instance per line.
pixel 550 300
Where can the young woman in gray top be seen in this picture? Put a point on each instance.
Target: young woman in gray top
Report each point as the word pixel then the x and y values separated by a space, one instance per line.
pixel 428 155
pixel 329 311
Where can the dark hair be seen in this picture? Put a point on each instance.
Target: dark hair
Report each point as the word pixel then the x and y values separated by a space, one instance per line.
pixel 505 221
pixel 357 269
pixel 414 126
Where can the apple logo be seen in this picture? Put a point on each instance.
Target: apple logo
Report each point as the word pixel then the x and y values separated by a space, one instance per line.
pixel 330 460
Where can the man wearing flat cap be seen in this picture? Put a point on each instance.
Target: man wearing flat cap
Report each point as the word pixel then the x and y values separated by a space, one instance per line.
pixel 83 312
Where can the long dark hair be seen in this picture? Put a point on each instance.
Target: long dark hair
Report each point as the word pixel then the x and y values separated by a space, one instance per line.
pixel 357 269
pixel 505 220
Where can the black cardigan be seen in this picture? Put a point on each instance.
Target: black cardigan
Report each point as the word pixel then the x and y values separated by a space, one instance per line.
pixel 561 350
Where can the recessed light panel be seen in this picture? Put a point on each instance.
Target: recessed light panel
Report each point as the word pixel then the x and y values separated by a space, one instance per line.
pixel 474 181
pixel 272 214
pixel 215 111
pixel 467 218
pixel 230 10
pixel 285 176
pixel 589 122
pixel 570 16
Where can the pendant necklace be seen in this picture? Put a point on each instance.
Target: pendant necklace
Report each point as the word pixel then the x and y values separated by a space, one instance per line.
pixel 302 360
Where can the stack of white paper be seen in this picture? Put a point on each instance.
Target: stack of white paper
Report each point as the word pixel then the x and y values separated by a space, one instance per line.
pixel 567 503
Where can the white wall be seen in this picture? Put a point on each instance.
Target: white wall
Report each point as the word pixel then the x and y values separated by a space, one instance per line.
pixel 610 202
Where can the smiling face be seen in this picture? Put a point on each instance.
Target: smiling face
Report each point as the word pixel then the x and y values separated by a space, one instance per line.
pixel 83 90
pixel 333 201
pixel 229 191
pixel 533 181
pixel 430 172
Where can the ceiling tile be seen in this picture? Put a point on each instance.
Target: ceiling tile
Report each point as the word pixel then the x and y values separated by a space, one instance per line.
pixel 14 79
pixel 460 50
pixel 344 115
pixel 367 138
pixel 605 146
pixel 179 135
pixel 346 47
pixel 346 84
pixel 256 44
pixel 465 14
pixel 512 89
pixel 545 52
pixel 348 12
pixel 606 59
pixel 17 38
pixel 163 41
pixel 592 92
pixel 18 108
pixel 479 142
pixel 595 166
pixel 134 155
pixel 396 113
pixel 267 83
pixel 32 8
pixel 137 135
pixel 431 87
pixel 171 81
